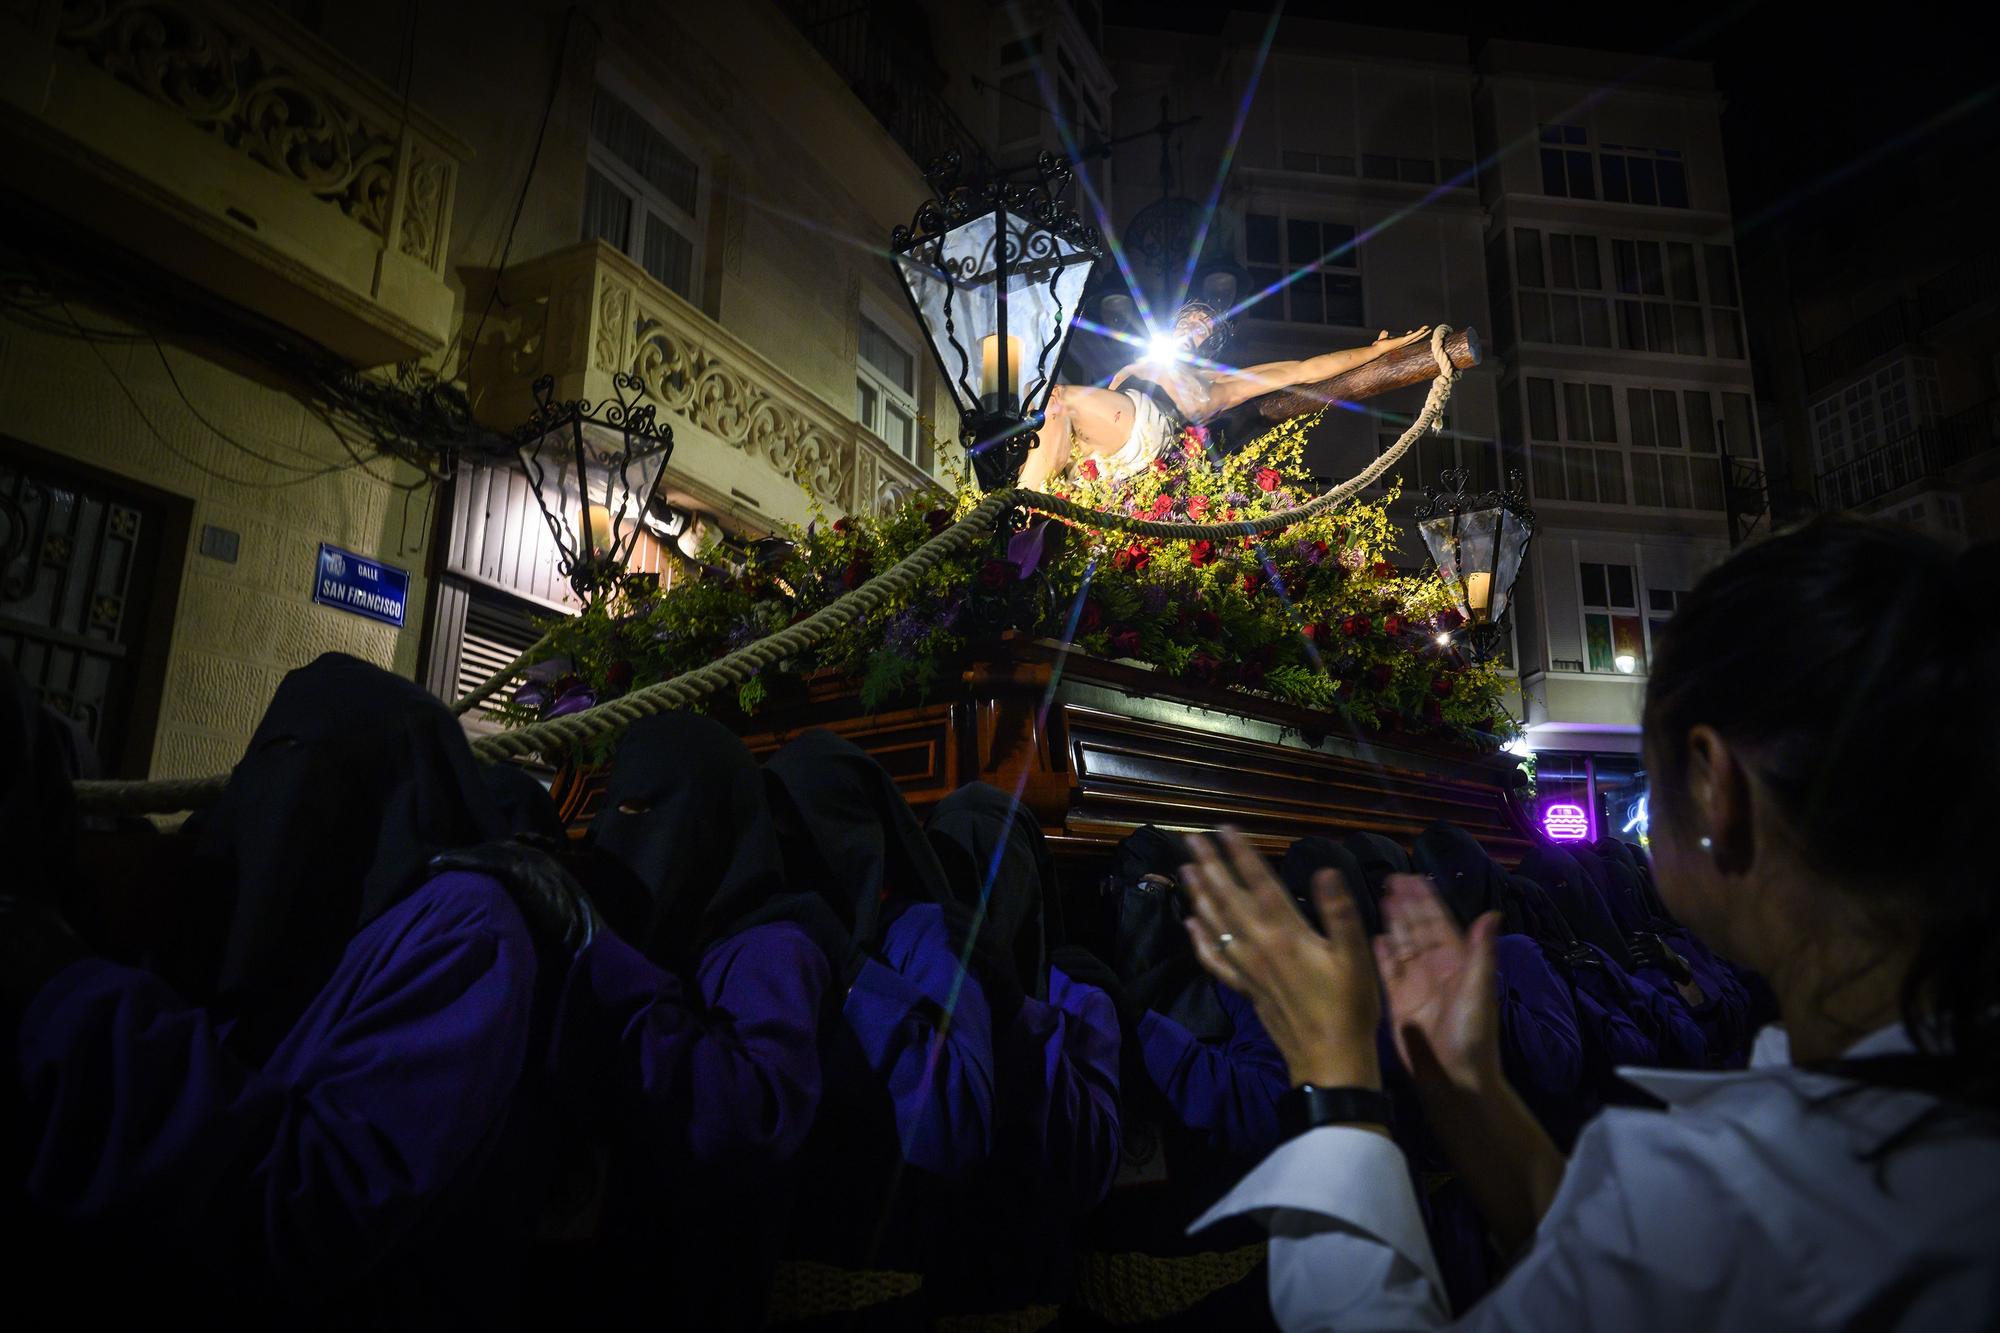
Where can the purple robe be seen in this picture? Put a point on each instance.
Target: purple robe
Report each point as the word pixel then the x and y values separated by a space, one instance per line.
pixel 726 1080
pixel 347 1146
pixel 1541 1048
pixel 1054 1156
pixel 1226 1092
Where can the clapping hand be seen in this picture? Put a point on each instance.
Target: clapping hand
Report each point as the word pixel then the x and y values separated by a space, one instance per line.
pixel 1315 994
pixel 1443 1000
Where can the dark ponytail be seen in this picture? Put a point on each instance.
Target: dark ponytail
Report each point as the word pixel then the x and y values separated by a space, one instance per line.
pixel 1856 665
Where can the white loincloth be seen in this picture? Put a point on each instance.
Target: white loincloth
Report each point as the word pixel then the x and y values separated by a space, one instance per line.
pixel 1151 434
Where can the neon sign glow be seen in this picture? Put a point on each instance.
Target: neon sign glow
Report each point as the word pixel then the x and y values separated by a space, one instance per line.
pixel 1565 823
pixel 1639 820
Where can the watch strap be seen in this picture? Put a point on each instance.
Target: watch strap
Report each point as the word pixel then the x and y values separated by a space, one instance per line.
pixel 1309 1107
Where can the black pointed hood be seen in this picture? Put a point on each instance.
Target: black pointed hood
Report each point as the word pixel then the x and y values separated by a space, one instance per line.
pixel 354 779
pixel 991 848
pixel 1577 898
pixel 1310 855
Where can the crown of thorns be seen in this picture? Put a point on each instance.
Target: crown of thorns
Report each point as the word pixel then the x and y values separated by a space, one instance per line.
pixel 1219 328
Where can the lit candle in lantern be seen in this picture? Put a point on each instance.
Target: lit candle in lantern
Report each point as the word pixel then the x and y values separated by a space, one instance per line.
pixel 598 522
pixel 1478 593
pixel 990 384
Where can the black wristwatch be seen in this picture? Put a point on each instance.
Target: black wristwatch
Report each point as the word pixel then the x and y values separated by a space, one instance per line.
pixel 1307 1107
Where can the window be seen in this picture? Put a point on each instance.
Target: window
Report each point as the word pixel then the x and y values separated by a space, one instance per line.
pixel 1653 176
pixel 1659 308
pixel 642 193
pixel 1661 603
pixel 1327 289
pixel 1438 452
pixel 1573 469
pixel 1614 637
pixel 885 385
pixel 1020 109
pixel 1726 307
pixel 1322 164
pixel 1566 162
pixel 1877 409
pixel 1570 308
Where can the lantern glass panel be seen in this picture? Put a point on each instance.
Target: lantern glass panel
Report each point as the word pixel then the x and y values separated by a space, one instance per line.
pixel 1513 547
pixel 1463 547
pixel 954 283
pixel 594 517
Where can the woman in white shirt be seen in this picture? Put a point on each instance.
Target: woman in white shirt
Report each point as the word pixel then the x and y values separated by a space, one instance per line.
pixel 1821 727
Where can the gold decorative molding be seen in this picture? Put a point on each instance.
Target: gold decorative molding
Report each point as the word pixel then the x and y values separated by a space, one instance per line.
pixel 602 314
pixel 216 77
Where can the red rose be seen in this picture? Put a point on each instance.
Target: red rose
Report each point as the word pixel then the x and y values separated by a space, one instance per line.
pixel 1089 470
pixel 1380 675
pixel 1383 569
pixel 1392 625
pixel 858 570
pixel 1356 626
pixel 618 675
pixel 937 520
pixel 1197 506
pixel 1316 554
pixel 1090 619
pixel 996 575
pixel 1268 479
pixel 1441 686
pixel 1253 582
pixel 1132 559
pixel 1203 667
pixel 1207 624
pixel 1316 631
pixel 1162 505
pixel 1196 436
pixel 1229 514
pixel 1160 466
pixel 1201 552
pixel 840 525
pixel 1125 643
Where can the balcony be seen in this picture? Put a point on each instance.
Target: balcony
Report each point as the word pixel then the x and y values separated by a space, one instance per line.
pixel 1928 451
pixel 747 436
pixel 236 151
pixel 893 74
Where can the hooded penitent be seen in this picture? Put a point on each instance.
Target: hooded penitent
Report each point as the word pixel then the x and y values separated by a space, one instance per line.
pixel 1380 857
pixel 1467 881
pixel 524 805
pixel 846 829
pixel 1150 948
pixel 354 779
pixel 1577 899
pixel 1307 857
pixel 37 812
pixel 993 854
pixel 685 815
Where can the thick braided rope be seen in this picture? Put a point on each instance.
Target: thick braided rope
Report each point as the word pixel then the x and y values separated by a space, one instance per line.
pixel 613 716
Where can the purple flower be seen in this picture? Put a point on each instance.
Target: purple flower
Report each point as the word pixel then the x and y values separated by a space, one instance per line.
pixel 574 700
pixel 1352 559
pixel 1154 598
pixel 1236 498
pixel 532 694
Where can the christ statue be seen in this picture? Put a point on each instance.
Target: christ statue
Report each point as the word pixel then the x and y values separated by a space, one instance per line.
pixel 1138 416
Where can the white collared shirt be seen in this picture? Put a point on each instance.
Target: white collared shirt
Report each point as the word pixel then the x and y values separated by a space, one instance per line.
pixel 1743 1206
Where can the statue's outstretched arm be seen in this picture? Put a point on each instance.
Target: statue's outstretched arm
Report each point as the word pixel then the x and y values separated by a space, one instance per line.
pixel 1232 387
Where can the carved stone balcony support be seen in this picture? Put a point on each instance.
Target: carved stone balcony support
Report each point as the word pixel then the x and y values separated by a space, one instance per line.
pixel 747 436
pixel 239 152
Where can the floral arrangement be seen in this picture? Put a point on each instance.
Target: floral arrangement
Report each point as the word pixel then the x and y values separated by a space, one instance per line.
pixel 1313 615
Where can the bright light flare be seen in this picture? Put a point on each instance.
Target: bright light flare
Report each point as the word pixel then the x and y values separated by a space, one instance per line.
pixel 1163 349
pixel 1626 663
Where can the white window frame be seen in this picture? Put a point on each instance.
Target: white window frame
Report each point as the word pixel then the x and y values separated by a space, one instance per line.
pixel 648 201
pixel 887 391
pixel 1288 264
pixel 1585 609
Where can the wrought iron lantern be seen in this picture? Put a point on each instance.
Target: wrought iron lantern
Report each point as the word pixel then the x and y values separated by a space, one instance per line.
pixel 593 467
pixel 1478 542
pixel 996 276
